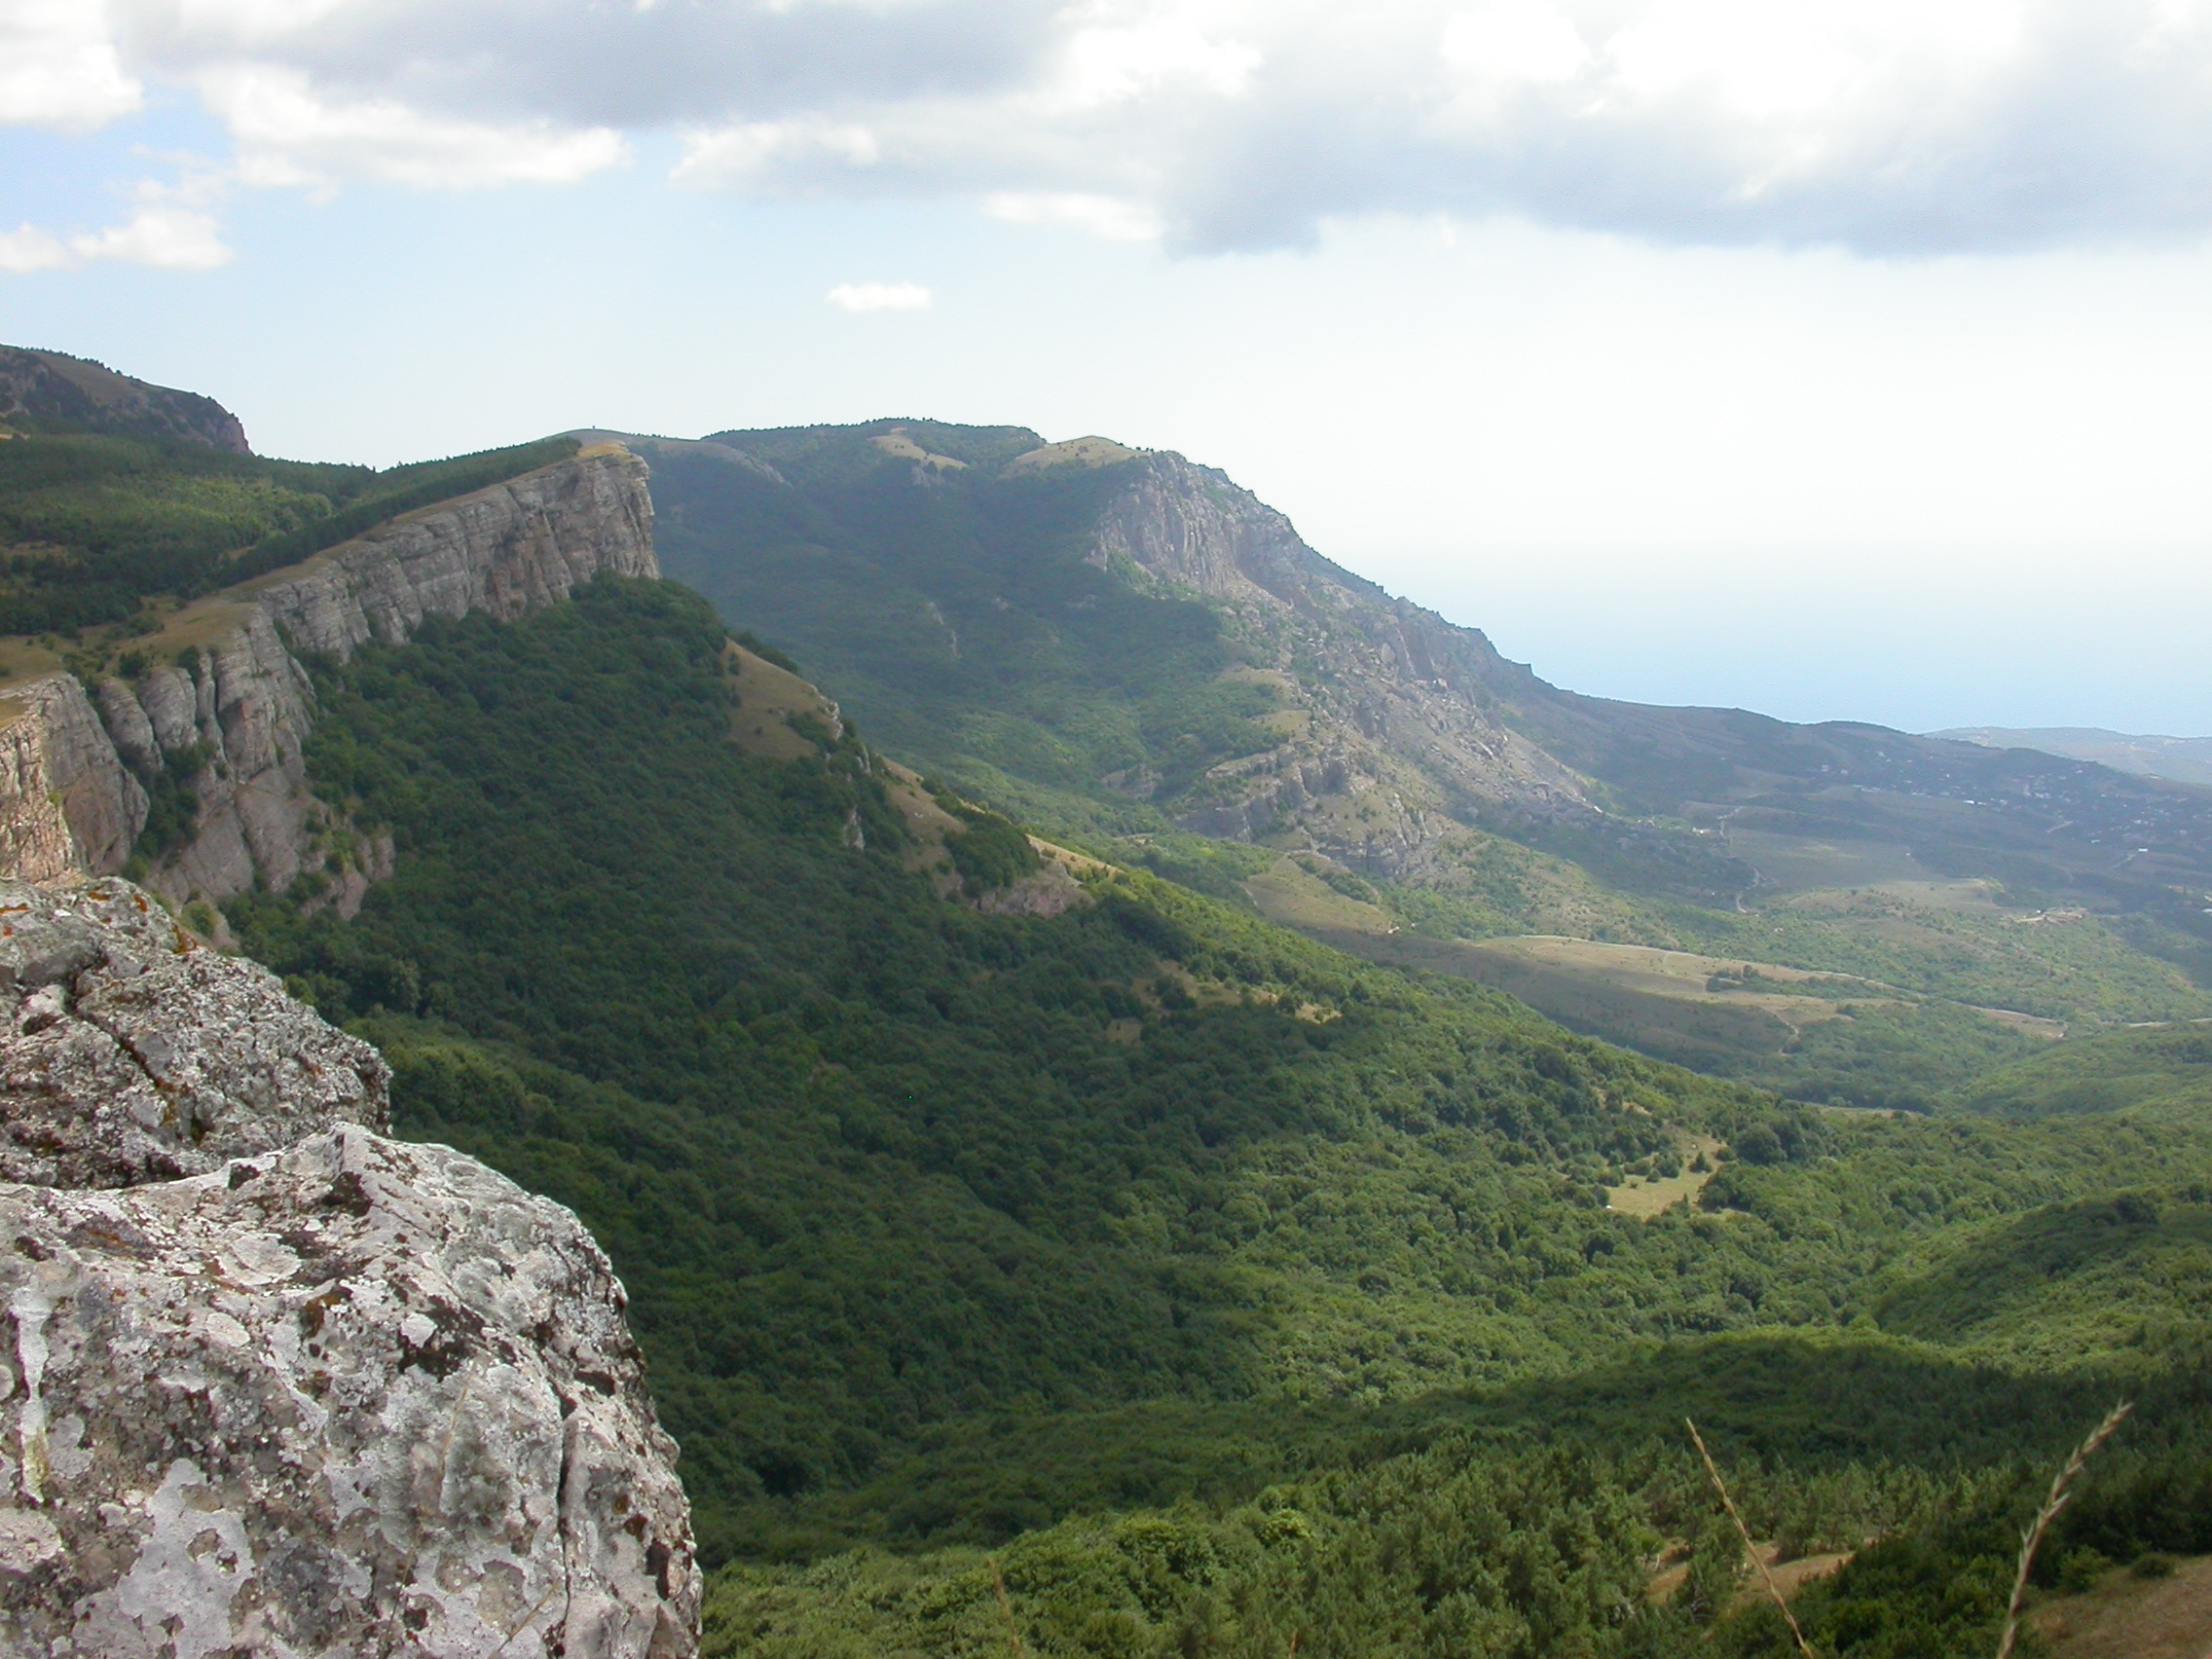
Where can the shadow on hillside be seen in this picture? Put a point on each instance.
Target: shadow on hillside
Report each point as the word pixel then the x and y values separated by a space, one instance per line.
pixel 1808 1402
pixel 2024 1262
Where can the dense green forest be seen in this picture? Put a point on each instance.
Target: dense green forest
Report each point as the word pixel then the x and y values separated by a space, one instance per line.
pixel 1219 1288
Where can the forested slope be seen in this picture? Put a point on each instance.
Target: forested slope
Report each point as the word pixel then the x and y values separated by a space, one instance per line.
pixel 941 1226
pixel 1237 1295
pixel 1131 652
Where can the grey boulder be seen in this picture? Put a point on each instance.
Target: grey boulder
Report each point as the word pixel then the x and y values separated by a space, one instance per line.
pixel 130 1053
pixel 353 1398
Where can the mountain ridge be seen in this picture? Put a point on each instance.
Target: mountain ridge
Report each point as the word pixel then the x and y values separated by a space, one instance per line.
pixel 78 392
pixel 1235 1294
pixel 2181 760
pixel 1148 662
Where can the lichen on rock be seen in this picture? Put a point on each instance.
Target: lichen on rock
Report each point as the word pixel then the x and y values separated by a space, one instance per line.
pixel 355 1398
pixel 132 1053
pixel 271 1385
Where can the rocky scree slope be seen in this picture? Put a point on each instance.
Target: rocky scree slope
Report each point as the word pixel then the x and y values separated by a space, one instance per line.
pixel 272 1383
pixel 1395 688
pixel 226 714
pixel 1402 715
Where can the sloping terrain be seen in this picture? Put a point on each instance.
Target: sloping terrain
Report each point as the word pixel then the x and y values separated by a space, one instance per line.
pixel 50 389
pixel 944 1225
pixel 1130 650
pixel 1238 1295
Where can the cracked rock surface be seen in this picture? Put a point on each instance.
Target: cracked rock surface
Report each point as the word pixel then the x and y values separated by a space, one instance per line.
pixel 130 1053
pixel 355 1398
pixel 272 1386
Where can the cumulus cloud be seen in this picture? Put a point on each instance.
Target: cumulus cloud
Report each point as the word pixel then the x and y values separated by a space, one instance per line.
pixel 1101 215
pixel 59 66
pixel 879 297
pixel 1883 126
pixel 27 248
pixel 289 132
pixel 167 237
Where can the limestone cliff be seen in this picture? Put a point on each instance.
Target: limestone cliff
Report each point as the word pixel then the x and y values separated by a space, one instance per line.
pixel 342 1396
pixel 1395 744
pixel 229 715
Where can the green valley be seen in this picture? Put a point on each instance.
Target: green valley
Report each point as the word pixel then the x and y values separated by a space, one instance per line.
pixel 1149 1098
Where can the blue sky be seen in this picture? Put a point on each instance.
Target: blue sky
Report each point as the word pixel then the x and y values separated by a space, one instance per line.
pixel 1840 361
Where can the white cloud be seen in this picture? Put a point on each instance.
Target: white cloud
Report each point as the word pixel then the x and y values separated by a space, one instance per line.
pixel 290 132
pixel 167 238
pixel 1101 216
pixel 879 297
pixel 163 235
pixel 756 152
pixel 27 248
pixel 1882 126
pixel 59 66
pixel 1508 42
pixel 1123 61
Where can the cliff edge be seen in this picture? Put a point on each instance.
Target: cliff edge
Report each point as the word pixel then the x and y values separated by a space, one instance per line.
pixel 340 1397
pixel 226 713
pixel 1400 738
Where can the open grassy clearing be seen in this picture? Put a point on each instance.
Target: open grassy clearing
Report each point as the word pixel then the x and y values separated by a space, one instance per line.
pixel 2131 1616
pixel 1647 1195
pixel 1788 863
pixel 1293 896
pixel 1956 940
pixel 776 710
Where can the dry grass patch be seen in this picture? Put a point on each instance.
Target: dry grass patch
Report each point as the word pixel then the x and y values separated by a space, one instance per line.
pixel 770 699
pixel 2128 1617
pixel 1073 452
pixel 1293 896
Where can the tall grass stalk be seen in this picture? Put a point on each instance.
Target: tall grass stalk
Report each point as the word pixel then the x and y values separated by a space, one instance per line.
pixel 1006 1607
pixel 1751 1549
pixel 2031 1539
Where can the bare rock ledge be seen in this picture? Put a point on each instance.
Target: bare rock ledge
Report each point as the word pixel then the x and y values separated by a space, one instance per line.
pixel 132 1053
pixel 355 1398
pixel 272 1386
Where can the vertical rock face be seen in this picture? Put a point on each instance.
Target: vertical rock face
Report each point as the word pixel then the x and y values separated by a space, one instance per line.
pixel 506 551
pixel 1402 738
pixel 343 1397
pixel 232 726
pixel 67 804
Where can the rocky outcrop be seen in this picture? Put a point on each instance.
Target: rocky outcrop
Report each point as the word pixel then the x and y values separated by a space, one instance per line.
pixel 230 720
pixel 47 385
pixel 132 1053
pixel 351 1398
pixel 1400 741
pixel 341 1397
pixel 67 803
pixel 506 551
